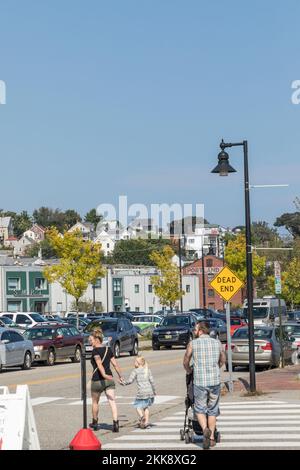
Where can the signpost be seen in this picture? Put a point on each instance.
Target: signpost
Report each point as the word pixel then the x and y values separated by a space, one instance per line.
pixel 227 284
pixel 277 276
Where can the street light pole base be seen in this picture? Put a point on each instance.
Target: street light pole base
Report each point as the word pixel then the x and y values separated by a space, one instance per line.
pixel 85 439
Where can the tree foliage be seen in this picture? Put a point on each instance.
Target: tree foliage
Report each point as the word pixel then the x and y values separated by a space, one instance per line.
pixel 47 217
pixel 167 284
pixel 79 262
pixel 235 258
pixel 291 221
pixel 136 251
pixel 93 218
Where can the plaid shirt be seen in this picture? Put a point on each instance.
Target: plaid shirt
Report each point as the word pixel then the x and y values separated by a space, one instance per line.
pixel 206 355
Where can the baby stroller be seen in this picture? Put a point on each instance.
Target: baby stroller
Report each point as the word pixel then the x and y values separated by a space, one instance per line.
pixel 191 426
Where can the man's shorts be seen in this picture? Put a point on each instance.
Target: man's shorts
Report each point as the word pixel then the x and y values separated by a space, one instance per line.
pixel 206 400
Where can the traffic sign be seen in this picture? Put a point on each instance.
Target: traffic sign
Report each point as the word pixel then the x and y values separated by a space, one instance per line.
pixel 226 283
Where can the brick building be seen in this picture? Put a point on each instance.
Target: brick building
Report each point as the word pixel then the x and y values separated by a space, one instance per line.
pixel 212 266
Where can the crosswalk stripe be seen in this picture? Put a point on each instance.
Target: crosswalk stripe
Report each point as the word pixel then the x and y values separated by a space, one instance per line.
pixel 159 429
pixel 230 445
pixel 231 437
pixel 274 407
pixel 234 423
pixel 43 400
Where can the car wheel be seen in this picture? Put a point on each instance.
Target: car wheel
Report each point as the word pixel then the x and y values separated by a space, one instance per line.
pixel 27 361
pixel 77 355
pixel 168 347
pixel 155 347
pixel 50 358
pixel 135 349
pixel 1 368
pixel 117 350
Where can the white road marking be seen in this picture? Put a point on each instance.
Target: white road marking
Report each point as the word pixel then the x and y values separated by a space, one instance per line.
pixel 159 400
pixel 43 400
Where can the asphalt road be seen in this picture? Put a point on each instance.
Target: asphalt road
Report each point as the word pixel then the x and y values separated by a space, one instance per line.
pixel 55 393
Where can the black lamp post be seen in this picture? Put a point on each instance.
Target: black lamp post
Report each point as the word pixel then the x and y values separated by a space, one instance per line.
pixel 203 280
pixel 223 168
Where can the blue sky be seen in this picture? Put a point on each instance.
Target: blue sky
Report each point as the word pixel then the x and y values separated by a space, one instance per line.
pixel 133 96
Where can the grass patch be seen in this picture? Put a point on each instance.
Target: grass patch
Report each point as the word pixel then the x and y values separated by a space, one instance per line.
pixel 257 393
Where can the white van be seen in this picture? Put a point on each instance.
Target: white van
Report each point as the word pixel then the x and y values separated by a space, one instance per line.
pixel 266 310
pixel 24 319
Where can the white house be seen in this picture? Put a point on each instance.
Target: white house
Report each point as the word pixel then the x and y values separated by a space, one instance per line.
pixel 107 242
pixel 22 245
pixel 86 228
pixel 36 232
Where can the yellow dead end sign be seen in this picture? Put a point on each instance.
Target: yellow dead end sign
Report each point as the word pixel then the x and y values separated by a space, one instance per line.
pixel 226 283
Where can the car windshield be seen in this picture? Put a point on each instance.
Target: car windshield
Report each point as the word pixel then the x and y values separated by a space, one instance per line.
pixel 108 325
pixel 39 333
pixel 7 321
pixel 258 312
pixel 294 329
pixel 259 333
pixel 37 317
pixel 175 321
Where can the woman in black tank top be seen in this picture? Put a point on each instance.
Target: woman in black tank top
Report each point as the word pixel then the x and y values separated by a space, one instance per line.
pixel 102 379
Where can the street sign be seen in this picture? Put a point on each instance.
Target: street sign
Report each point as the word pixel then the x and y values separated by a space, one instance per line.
pixel 277 274
pixel 226 283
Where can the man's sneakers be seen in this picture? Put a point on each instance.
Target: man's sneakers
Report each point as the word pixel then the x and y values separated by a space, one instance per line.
pixel 206 438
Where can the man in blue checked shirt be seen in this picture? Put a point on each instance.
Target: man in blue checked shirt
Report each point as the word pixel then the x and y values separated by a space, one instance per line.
pixel 207 358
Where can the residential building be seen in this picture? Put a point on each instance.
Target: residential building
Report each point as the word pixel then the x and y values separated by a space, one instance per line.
pixel 107 242
pixel 86 228
pixel 22 245
pixel 6 229
pixel 36 232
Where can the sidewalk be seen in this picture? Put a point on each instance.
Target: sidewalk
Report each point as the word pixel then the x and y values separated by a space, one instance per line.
pixel 275 380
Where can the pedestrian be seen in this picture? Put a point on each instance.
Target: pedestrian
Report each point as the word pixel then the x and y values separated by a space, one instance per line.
pixel 102 379
pixel 145 390
pixel 207 358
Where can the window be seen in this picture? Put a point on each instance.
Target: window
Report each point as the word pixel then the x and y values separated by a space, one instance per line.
pixel 136 288
pixel 191 240
pixel 188 288
pixel 211 293
pixel 74 331
pixel 20 319
pixel 117 287
pixel 9 316
pixel 137 309
pixel 13 283
pixel 6 336
pixel 40 283
pixel 16 337
pixel 13 306
pixel 210 277
pixel 209 263
pixel 150 288
pixel 98 283
pixel 107 245
pixel 151 309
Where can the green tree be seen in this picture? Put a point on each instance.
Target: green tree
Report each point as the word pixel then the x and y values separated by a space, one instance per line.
pixel 291 221
pixel 47 217
pixel 136 251
pixel 21 222
pixel 71 217
pixel 263 235
pixel 45 246
pixel 235 258
pixel 93 218
pixel 79 263
pixel 167 283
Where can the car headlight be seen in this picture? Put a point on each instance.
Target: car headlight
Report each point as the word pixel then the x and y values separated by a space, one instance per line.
pixel 38 348
pixel 182 332
pixel 155 333
pixel 107 339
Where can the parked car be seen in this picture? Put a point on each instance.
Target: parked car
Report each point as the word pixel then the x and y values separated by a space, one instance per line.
pixel 55 342
pixel 267 346
pixel 83 322
pixel 119 334
pixel 128 315
pixel 144 322
pixel 74 314
pixel 293 330
pixel 294 315
pixel 25 319
pixel 53 318
pixel 203 313
pixel 235 323
pixel 6 322
pixel 218 329
pixel 15 350
pixel 174 330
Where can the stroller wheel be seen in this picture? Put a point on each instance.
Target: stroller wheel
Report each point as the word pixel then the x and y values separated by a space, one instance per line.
pixel 181 434
pixel 217 436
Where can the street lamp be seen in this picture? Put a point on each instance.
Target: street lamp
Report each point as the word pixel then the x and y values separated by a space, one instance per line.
pixel 223 169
